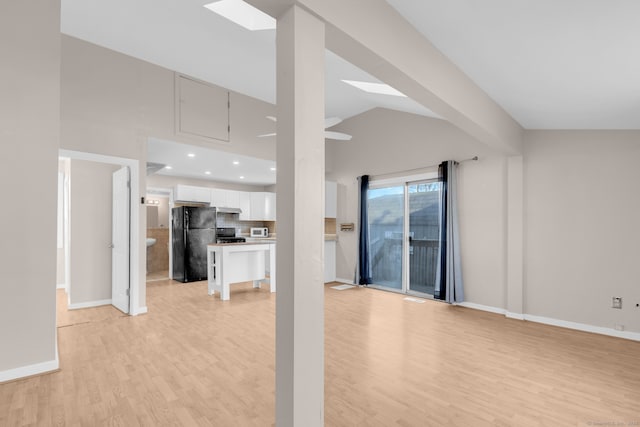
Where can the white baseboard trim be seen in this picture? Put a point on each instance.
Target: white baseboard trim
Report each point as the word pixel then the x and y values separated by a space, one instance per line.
pixel 35 369
pixel 634 336
pixel 511 315
pixel 140 310
pixel 61 286
pixel 30 370
pixel 481 307
pixel 345 281
pixel 89 304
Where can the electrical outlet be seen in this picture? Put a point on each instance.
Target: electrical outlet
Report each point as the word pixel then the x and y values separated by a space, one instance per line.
pixel 616 302
pixel 619 327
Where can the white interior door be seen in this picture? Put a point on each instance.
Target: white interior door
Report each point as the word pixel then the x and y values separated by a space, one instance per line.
pixel 120 240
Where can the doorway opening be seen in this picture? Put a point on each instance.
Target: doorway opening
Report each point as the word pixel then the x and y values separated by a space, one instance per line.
pixel 158 204
pixel 98 245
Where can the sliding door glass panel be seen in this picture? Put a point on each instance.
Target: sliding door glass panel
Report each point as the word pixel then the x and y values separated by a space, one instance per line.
pixel 386 230
pixel 424 230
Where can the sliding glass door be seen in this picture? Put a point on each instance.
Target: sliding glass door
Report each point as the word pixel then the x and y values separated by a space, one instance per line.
pixel 386 232
pixel 404 224
pixel 424 233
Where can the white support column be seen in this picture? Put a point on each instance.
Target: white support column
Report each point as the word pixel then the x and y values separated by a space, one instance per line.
pixel 300 200
pixel 515 238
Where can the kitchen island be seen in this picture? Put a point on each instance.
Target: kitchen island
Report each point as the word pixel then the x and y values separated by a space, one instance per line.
pixel 230 263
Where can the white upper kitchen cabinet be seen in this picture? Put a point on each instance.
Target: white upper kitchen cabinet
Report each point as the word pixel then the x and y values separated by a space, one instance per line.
pixel 330 199
pixel 257 206
pixel 263 206
pixel 225 198
pixel 232 199
pixel 269 206
pixel 217 197
pixel 244 203
pixel 189 193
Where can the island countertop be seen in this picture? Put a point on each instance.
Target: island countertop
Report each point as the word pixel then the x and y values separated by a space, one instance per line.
pixel 327 237
pixel 229 263
pixel 262 242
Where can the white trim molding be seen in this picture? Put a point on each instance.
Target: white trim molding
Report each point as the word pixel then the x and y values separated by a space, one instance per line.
pixel 89 304
pixel 34 369
pixel 634 336
pixel 345 281
pixel 140 310
pixel 629 335
pixel 481 307
pixel 30 370
pixel 135 243
pixel 511 315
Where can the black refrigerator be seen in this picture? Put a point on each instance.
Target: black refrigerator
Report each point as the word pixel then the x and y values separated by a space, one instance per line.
pixel 193 229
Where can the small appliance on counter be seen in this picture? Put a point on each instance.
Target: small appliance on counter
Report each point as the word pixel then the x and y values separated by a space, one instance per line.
pixel 259 232
pixel 228 235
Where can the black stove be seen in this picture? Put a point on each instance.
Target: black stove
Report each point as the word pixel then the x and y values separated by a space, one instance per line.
pixel 228 235
pixel 230 240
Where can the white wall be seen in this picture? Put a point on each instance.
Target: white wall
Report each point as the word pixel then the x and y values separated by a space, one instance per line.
pixel 582 226
pixel 581 210
pixel 91 212
pixel 111 104
pixel 120 101
pixel 387 141
pixel 29 137
pixel 158 214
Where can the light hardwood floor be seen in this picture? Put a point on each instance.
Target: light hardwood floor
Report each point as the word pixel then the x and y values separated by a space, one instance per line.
pixel 195 360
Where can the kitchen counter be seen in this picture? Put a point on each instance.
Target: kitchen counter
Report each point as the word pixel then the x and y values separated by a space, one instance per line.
pixel 264 240
pixel 229 263
pixel 327 238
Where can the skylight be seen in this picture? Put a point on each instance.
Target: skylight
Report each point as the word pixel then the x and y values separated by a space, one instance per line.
pixel 378 88
pixel 243 14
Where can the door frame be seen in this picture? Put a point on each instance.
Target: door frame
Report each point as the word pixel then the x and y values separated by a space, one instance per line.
pixel 166 191
pixel 134 236
pixel 404 181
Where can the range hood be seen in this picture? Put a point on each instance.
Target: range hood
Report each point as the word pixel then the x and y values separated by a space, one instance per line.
pixel 229 210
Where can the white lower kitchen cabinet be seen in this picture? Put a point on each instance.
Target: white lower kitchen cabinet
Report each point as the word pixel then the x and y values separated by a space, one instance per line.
pixel 329 261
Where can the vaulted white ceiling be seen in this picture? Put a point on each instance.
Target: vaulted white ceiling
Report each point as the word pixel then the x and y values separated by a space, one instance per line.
pixel 569 64
pixel 183 36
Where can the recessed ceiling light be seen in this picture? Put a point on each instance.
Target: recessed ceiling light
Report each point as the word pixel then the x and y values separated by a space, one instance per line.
pixel 243 14
pixel 168 167
pixel 378 88
pixel 273 169
pixel 235 162
pixel 207 173
pixel 242 177
pixel 191 155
